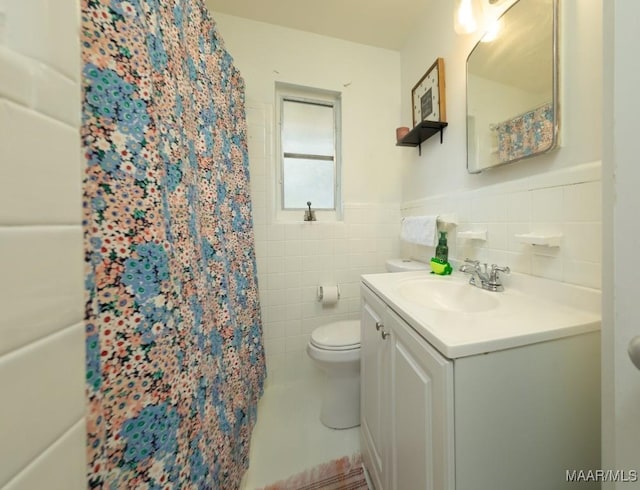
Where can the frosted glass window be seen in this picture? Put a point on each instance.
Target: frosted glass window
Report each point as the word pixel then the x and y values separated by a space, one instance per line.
pixel 308 151
pixel 308 180
pixel 307 128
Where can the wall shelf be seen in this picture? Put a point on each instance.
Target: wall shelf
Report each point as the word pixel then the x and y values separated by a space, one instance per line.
pixel 422 132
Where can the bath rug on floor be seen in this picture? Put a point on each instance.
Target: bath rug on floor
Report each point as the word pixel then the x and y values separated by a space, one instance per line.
pixel 345 473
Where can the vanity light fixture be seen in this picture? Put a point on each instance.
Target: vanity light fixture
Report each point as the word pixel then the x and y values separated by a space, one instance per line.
pixel 465 17
pixel 470 16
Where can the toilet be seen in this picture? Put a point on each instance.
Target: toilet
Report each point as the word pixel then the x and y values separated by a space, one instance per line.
pixel 335 349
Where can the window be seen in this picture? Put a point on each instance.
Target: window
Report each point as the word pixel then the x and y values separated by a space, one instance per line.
pixel 309 146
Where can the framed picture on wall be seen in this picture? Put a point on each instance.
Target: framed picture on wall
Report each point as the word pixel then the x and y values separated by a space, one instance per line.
pixel 428 95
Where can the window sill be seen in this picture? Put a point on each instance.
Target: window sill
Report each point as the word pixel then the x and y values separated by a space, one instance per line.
pixel 297 217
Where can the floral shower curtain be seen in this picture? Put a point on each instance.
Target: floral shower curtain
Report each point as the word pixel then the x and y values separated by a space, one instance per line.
pixel 175 361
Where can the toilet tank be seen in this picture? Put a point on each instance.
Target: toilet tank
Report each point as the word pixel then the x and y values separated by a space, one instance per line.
pixel 404 265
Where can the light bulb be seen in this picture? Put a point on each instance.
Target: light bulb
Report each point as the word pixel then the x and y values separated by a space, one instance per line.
pixel 464 17
pixel 493 29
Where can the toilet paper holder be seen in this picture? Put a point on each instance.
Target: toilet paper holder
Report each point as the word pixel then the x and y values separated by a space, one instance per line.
pixel 321 292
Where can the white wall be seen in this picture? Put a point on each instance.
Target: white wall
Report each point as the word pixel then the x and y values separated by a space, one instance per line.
pixel 565 202
pixel 438 180
pixel 442 168
pixel 42 429
pixel 294 258
pixel 621 175
pixel 368 79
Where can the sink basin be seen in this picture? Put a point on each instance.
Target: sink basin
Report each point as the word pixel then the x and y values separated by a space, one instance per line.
pixel 447 296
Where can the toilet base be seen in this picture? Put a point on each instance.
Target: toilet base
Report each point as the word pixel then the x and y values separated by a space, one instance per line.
pixel 341 401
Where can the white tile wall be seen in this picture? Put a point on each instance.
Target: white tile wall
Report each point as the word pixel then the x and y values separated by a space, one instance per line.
pixel 63 463
pixel 56 95
pixel 33 188
pixel 46 31
pixel 16 77
pixel 43 396
pixel 42 282
pixel 42 429
pixel 295 258
pixel 567 202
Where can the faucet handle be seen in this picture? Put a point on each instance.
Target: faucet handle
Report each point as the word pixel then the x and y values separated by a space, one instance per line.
pixel 475 263
pixel 495 269
pixel 309 214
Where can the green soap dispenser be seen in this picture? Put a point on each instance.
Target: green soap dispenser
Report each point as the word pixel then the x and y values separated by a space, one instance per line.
pixel 442 250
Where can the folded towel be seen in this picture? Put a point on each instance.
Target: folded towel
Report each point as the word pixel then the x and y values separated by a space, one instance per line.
pixel 422 230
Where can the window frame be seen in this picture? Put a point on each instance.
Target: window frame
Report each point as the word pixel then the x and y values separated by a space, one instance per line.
pixel 285 92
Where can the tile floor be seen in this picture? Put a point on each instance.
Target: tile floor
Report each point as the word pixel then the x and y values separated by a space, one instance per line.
pixel 289 438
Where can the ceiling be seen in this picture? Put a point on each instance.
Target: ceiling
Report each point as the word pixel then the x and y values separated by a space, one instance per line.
pixel 381 23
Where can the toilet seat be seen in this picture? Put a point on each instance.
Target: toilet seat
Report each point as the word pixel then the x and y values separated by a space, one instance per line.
pixel 337 336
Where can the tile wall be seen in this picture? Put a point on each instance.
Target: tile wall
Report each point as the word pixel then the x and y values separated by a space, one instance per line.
pixel 566 202
pixel 295 258
pixel 42 429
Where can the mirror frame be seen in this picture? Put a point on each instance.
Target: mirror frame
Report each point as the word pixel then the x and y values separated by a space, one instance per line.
pixel 555 91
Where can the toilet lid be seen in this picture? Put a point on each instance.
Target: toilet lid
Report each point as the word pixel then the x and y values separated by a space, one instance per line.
pixel 337 336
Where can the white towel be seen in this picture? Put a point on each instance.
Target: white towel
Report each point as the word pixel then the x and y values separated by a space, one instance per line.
pixel 422 230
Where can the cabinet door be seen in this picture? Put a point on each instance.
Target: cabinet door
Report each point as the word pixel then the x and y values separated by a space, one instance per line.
pixel 374 403
pixel 422 456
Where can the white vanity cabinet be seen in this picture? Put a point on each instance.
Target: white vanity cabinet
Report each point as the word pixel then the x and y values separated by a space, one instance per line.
pixel 407 404
pixel 514 418
pixel 375 406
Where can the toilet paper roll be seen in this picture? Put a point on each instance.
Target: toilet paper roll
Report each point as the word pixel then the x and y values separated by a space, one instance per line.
pixel 329 295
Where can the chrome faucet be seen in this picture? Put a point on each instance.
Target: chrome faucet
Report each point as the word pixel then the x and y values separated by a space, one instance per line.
pixel 485 279
pixel 472 267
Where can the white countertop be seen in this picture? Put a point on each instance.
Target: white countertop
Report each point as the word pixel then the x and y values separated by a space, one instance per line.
pixel 530 310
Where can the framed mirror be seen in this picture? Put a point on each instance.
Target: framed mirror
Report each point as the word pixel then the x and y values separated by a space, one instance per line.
pixel 512 87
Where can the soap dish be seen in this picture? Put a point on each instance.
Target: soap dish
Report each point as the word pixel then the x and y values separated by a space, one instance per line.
pixel 473 235
pixel 540 239
pixel 446 222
